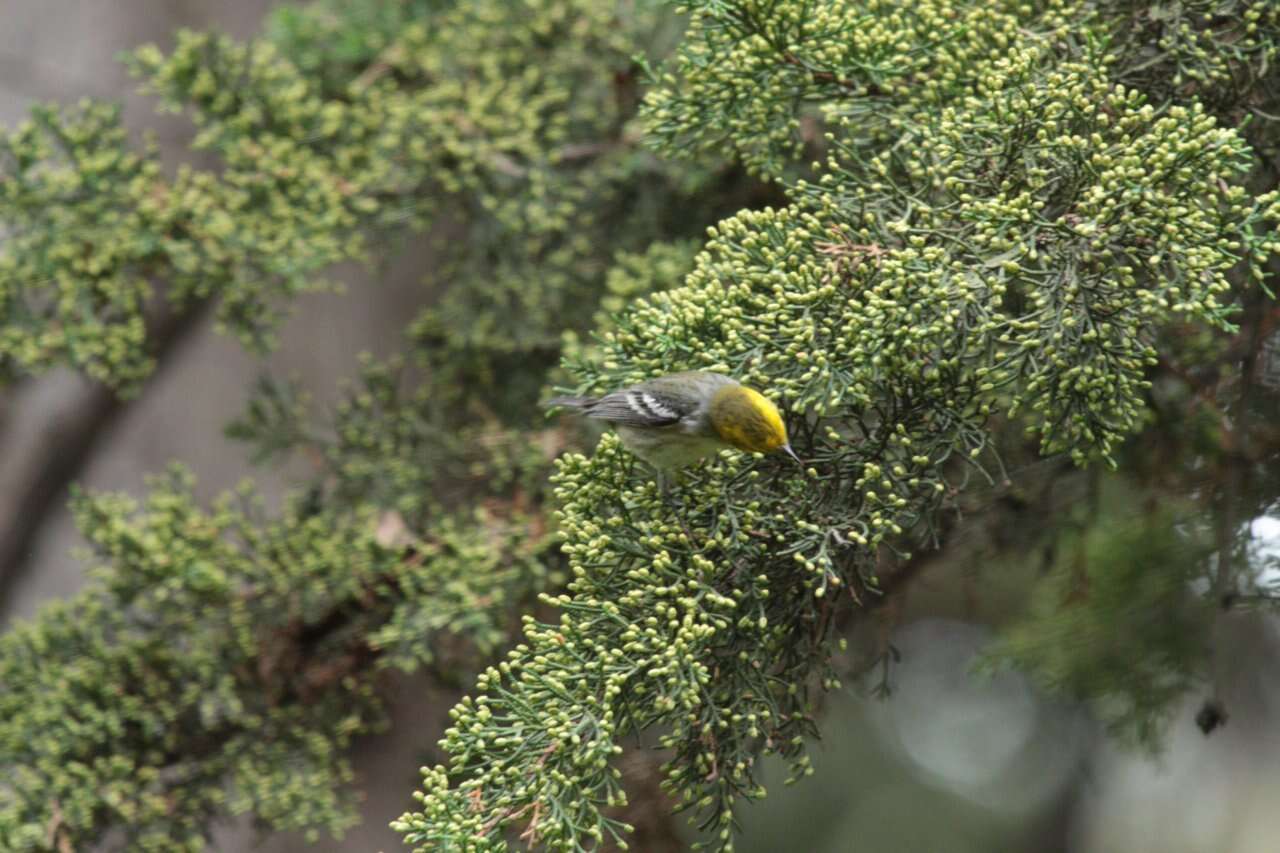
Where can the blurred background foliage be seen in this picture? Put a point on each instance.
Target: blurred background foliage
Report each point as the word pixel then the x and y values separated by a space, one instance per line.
pixel 1007 267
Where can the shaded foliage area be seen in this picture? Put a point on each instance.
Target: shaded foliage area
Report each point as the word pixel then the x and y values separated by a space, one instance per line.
pixel 423 530
pixel 995 241
pixel 948 238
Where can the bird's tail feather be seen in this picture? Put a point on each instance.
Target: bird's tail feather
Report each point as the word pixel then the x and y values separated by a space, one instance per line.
pixel 569 402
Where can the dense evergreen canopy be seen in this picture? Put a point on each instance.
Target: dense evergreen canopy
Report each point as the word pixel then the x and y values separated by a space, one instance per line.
pixel 948 236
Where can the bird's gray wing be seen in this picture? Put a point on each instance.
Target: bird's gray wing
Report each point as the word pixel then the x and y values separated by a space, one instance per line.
pixel 641 407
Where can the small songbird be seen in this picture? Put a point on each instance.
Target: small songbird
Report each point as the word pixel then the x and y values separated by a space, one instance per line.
pixel 677 419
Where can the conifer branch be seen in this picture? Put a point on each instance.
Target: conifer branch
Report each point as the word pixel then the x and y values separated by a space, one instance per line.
pixel 70 442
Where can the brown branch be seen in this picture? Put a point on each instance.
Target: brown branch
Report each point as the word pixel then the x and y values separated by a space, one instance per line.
pixel 830 78
pixel 68 444
pixel 56 835
pixel 650 810
pixel 9 392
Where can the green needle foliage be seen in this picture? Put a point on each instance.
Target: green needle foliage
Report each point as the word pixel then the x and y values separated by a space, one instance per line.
pixel 424 528
pixel 520 139
pixel 220 663
pixel 86 221
pixel 121 710
pixel 1004 240
pixel 940 234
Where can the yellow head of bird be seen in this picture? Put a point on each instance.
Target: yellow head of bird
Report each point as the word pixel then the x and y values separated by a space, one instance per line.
pixel 748 420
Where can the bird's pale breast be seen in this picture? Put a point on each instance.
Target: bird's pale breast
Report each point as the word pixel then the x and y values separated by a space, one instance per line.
pixel 667 449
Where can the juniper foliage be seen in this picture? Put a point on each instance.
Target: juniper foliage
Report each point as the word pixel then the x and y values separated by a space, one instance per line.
pixel 998 232
pixel 423 530
pixel 940 233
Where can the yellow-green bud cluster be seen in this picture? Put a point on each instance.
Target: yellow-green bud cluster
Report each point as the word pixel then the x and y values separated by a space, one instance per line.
pixel 1009 238
pixel 757 80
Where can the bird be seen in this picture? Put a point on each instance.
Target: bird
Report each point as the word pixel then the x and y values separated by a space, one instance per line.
pixel 674 420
